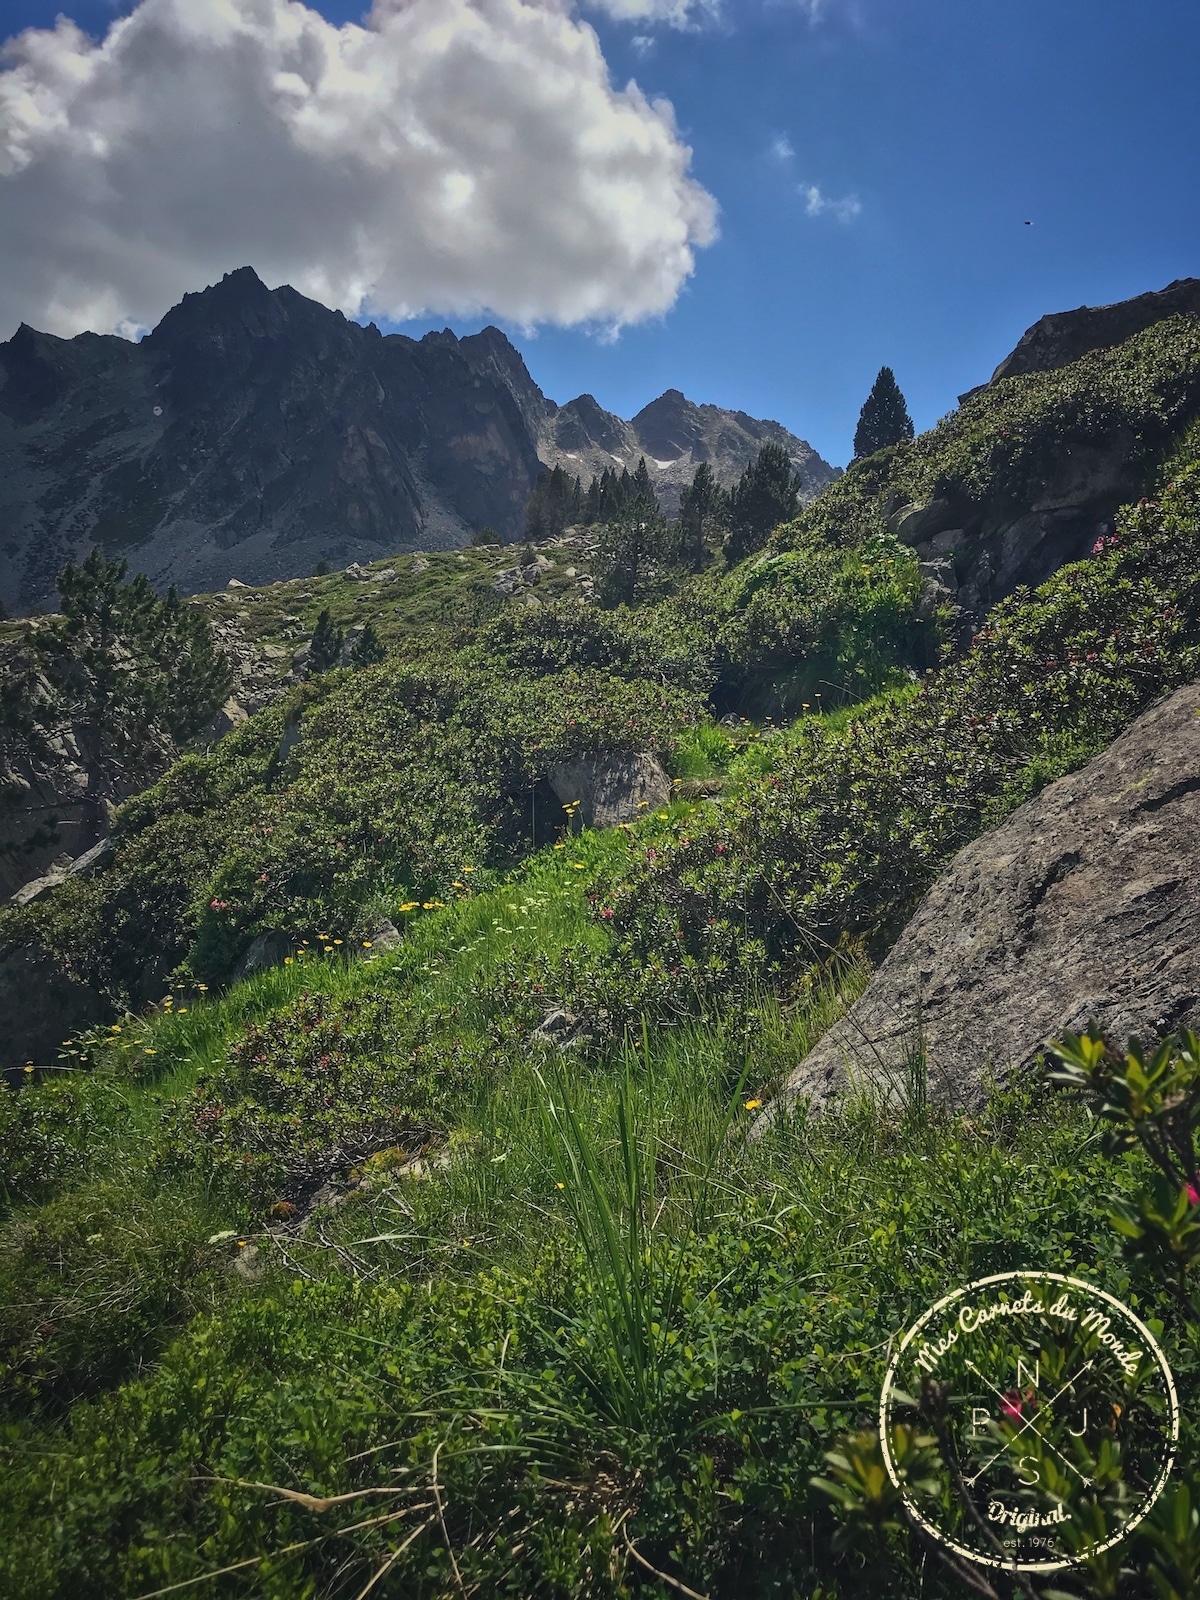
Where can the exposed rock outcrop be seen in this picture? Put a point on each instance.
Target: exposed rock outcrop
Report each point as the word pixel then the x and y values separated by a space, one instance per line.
pixel 1082 907
pixel 674 435
pixel 1064 336
pixel 611 788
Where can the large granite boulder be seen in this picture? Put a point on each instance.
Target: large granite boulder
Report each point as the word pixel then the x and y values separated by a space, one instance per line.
pixel 1082 907
pixel 611 788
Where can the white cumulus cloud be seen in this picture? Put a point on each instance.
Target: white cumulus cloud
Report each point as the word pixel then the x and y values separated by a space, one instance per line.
pixel 675 13
pixel 449 156
pixel 817 204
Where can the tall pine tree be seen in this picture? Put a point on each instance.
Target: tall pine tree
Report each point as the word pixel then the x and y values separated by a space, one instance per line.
pixel 702 510
pixel 884 418
pixel 326 644
pixel 766 494
pixel 643 489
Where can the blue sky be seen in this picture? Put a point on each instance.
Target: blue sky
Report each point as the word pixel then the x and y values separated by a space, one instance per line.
pixel 944 125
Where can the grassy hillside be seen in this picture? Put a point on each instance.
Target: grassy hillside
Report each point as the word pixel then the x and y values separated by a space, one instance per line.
pixel 369 1273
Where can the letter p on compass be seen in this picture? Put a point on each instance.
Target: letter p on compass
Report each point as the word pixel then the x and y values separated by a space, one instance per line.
pixel 1055 1413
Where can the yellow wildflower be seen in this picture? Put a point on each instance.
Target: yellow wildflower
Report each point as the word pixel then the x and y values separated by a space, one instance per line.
pixel 337 941
pixel 753 1105
pixel 366 944
pixel 150 1052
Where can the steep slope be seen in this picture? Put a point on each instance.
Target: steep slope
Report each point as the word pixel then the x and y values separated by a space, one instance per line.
pixel 255 433
pixel 1027 474
pixel 252 434
pixel 1077 910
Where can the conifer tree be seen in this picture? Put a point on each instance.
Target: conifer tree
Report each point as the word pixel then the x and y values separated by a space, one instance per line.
pixel 701 511
pixel 631 553
pixel 643 489
pixel 554 503
pixel 367 648
pixel 884 419
pixel 132 660
pixel 766 494
pixel 326 647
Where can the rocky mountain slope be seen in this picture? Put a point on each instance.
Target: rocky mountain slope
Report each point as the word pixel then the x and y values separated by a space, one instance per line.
pixel 255 433
pixel 675 436
pixel 1027 474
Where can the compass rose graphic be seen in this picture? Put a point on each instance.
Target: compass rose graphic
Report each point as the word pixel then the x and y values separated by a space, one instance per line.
pixel 1055 1414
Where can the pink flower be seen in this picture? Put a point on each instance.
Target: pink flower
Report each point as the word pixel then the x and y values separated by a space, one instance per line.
pixel 607 912
pixel 1193 1195
pixel 263 877
pixel 1011 1407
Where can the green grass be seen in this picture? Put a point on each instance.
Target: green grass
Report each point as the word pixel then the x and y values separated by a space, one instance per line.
pixel 666 1342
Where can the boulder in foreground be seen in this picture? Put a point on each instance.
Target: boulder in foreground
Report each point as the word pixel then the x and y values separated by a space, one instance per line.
pixel 1084 906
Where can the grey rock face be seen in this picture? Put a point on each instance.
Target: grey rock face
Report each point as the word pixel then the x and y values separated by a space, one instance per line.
pixel 611 788
pixel 558 1027
pixel 250 435
pixel 1064 336
pixel 1084 906
pixel 267 950
pixel 41 1006
pixel 383 935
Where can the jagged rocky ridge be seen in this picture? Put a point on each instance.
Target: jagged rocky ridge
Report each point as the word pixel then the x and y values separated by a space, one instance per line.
pixel 255 433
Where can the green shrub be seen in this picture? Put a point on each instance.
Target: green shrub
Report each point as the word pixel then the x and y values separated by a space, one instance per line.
pixel 91 1285
pixel 316 1089
pixel 396 778
pixel 851 823
pixel 47 1130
